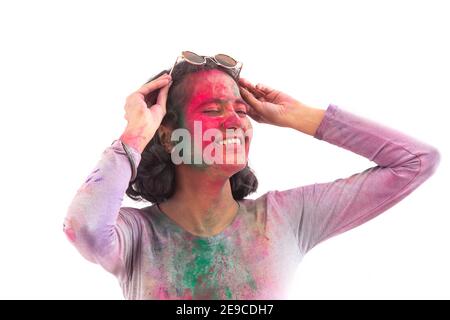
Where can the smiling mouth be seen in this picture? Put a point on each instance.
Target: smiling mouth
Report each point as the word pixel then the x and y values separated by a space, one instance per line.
pixel 229 141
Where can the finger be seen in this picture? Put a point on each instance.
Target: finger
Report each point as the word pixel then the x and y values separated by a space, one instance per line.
pixel 250 87
pixel 158 111
pixel 244 82
pixel 252 101
pixel 258 94
pixel 162 96
pixel 264 88
pixel 154 84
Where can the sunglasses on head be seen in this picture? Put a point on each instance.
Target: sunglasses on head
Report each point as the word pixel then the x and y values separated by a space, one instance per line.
pixel 222 60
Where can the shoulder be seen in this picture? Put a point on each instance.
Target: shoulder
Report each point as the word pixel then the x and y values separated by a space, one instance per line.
pixel 284 198
pixel 274 198
pixel 283 206
pixel 134 218
pixel 148 218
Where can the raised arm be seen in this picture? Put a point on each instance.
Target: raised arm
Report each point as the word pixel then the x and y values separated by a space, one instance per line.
pixel 322 210
pixel 91 223
pixel 95 223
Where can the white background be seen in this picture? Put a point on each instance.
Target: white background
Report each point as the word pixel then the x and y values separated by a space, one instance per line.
pixel 66 68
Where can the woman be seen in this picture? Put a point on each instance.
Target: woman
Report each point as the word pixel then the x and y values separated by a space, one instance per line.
pixel 201 239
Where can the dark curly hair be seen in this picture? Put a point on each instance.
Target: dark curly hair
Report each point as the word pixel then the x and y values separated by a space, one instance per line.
pixel 155 180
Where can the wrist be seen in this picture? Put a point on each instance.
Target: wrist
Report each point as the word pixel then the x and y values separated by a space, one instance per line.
pixel 134 140
pixel 306 119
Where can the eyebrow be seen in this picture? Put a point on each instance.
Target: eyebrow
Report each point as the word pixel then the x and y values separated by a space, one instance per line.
pixel 219 101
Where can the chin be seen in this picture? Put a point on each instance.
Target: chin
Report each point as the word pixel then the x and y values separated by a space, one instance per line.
pixel 228 169
pixel 228 161
pixel 231 169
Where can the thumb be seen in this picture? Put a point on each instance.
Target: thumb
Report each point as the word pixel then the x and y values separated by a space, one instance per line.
pixel 158 111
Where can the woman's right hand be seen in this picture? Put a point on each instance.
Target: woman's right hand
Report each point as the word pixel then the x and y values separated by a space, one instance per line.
pixel 142 120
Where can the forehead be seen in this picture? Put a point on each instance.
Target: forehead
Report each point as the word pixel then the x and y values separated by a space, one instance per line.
pixel 211 84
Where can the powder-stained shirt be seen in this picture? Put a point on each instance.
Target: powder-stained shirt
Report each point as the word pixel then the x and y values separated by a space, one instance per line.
pixel 257 255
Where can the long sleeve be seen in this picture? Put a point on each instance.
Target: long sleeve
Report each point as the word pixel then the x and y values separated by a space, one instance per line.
pixel 95 223
pixel 322 210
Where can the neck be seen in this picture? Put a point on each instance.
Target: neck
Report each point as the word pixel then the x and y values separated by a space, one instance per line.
pixel 202 203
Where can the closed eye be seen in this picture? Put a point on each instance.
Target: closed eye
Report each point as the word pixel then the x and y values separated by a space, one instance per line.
pixel 210 111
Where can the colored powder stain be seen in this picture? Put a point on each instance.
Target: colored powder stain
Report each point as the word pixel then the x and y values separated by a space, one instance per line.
pixel 89 179
pixel 70 233
pixel 98 179
pixel 201 274
pixel 162 294
pixel 202 271
pixel 251 281
pixel 228 293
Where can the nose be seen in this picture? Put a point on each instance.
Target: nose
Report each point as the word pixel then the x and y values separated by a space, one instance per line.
pixel 232 120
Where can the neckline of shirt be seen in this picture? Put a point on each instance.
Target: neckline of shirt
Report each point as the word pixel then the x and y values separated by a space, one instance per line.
pixel 211 239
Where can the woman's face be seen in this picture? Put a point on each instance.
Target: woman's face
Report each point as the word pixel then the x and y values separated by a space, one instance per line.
pixel 214 113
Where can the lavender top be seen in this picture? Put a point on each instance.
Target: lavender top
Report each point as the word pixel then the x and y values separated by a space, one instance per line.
pixel 256 256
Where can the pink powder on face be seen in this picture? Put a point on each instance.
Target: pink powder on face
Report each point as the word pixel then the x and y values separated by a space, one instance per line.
pixel 70 233
pixel 208 86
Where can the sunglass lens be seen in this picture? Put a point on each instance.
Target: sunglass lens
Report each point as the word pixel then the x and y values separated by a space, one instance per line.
pixel 192 57
pixel 226 60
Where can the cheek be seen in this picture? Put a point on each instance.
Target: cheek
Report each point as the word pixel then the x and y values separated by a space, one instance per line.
pixel 211 123
pixel 248 129
pixel 205 123
pixel 246 123
pixel 197 126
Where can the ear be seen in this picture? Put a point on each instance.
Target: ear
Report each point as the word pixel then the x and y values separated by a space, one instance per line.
pixel 164 133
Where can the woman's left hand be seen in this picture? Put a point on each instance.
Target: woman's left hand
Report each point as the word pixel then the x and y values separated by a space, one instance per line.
pixel 268 105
